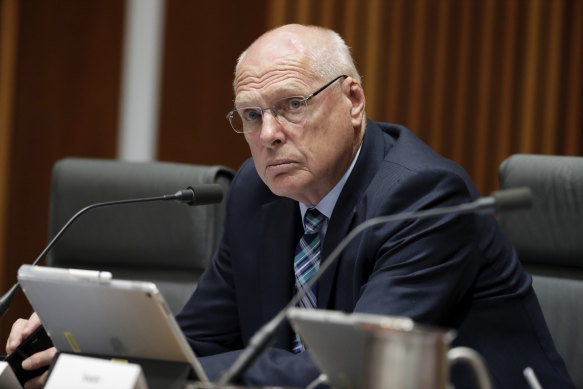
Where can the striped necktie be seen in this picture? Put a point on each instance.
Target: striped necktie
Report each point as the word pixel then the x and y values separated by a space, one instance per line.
pixel 307 262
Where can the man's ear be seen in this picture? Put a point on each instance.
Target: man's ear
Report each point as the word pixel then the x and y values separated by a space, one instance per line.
pixel 358 100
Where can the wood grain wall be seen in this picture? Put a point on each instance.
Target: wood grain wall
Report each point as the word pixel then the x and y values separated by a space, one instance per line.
pixel 477 80
pixel 62 96
pixel 202 41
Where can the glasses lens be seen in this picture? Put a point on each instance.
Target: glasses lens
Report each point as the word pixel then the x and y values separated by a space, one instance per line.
pixel 245 119
pixel 250 119
pixel 292 109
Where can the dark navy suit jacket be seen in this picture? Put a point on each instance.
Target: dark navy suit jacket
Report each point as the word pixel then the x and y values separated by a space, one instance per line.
pixel 451 271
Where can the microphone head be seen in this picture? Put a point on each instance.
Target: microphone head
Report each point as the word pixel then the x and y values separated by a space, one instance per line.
pixel 206 194
pixel 512 199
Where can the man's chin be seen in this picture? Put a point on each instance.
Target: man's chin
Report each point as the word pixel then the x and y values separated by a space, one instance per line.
pixel 294 185
pixel 290 191
pixel 282 191
pixel 297 193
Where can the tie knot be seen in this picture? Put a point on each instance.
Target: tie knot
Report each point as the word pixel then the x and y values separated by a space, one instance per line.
pixel 313 220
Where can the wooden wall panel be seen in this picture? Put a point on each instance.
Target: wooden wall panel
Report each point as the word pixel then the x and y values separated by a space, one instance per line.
pixel 484 92
pixel 504 94
pixel 477 80
pixel 202 42
pixel 553 73
pixel 573 100
pixel 530 86
pixel 437 95
pixel 8 38
pixel 391 63
pixel 462 82
pixel 374 38
pixel 66 87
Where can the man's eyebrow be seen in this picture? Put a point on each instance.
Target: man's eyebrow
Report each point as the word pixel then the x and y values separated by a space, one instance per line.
pixel 242 103
pixel 245 100
pixel 291 90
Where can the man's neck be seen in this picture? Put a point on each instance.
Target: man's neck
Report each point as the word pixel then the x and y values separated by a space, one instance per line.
pixel 328 202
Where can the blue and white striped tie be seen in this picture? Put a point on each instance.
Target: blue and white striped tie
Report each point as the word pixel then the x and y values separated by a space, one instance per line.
pixel 307 262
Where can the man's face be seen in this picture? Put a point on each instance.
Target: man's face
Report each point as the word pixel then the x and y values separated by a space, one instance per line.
pixel 301 161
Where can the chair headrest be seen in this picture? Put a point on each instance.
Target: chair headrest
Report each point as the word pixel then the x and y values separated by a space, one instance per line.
pixel 552 230
pixel 139 234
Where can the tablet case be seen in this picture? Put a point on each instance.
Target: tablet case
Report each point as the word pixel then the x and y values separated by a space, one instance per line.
pixel 88 312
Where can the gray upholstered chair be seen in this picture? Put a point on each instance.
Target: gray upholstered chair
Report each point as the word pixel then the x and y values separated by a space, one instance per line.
pixel 168 243
pixel 549 240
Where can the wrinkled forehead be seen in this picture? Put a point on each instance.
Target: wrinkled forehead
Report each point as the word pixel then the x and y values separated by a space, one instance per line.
pixel 272 63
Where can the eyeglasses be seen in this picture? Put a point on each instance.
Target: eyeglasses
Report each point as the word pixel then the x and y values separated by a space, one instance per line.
pixel 291 109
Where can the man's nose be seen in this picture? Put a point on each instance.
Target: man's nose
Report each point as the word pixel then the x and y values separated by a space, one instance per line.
pixel 271 129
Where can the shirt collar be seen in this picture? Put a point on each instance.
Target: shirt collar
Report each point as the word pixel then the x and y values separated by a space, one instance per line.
pixel 327 204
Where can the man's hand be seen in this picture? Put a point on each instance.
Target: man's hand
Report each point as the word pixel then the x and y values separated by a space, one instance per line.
pixel 21 329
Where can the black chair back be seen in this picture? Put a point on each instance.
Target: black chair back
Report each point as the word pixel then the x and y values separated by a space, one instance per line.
pixel 168 243
pixel 549 241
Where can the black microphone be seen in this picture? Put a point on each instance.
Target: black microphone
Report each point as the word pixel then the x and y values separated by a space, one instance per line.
pixel 193 195
pixel 201 194
pixel 501 201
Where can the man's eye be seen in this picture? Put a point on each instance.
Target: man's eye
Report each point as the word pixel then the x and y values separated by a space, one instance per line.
pixel 294 104
pixel 250 114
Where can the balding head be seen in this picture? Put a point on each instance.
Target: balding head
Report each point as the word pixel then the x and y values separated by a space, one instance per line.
pixel 324 53
pixel 297 92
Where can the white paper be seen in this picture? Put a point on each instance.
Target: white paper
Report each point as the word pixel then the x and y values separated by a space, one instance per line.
pixel 80 372
pixel 7 378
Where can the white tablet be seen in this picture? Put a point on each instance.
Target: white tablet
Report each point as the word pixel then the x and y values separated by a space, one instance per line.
pixel 88 312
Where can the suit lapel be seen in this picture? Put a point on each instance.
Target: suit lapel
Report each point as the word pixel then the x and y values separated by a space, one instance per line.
pixel 282 230
pixel 346 208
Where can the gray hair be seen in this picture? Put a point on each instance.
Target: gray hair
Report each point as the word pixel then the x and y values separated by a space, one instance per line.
pixel 328 57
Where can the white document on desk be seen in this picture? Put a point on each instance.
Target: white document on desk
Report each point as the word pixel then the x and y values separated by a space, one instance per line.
pixel 80 372
pixel 7 378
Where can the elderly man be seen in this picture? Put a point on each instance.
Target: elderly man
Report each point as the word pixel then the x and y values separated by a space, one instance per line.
pixel 301 107
pixel 318 169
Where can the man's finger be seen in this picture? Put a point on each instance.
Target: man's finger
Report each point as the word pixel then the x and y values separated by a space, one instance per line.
pixel 40 359
pixel 15 337
pixel 32 324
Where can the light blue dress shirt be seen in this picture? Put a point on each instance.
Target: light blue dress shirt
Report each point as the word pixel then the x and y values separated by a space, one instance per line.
pixel 327 204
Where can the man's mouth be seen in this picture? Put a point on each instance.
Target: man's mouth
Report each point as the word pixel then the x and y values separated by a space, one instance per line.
pixel 279 164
